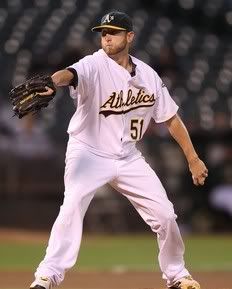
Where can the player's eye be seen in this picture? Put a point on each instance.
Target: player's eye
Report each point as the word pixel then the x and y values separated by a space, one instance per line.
pixel 110 32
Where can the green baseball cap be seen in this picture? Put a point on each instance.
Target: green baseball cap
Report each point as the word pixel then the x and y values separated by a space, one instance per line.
pixel 115 20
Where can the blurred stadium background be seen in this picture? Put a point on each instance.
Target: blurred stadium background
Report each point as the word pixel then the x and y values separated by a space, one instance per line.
pixel 188 42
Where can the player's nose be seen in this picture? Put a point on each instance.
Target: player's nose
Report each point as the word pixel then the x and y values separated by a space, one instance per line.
pixel 108 37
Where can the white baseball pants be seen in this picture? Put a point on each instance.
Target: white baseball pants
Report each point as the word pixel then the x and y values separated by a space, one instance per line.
pixel 85 172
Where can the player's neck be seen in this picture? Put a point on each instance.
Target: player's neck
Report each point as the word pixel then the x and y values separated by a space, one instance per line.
pixel 122 59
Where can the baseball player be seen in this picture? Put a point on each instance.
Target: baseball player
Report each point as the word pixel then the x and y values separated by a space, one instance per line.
pixel 116 96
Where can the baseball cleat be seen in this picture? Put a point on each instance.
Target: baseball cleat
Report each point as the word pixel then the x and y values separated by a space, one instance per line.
pixel 41 283
pixel 186 283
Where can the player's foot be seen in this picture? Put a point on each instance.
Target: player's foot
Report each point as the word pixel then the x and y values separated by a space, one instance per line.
pixel 186 283
pixel 41 283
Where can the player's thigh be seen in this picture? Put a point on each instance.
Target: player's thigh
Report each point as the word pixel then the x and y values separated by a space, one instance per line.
pixel 136 176
pixel 84 174
pixel 140 184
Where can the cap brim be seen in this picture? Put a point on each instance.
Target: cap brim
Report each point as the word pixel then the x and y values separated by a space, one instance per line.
pixel 99 28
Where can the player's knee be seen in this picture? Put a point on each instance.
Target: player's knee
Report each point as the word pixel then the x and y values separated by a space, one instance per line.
pixel 164 220
pixel 71 211
pixel 65 218
pixel 168 216
pixel 167 220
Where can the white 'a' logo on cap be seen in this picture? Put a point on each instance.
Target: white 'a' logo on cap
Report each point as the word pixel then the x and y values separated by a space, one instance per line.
pixel 108 18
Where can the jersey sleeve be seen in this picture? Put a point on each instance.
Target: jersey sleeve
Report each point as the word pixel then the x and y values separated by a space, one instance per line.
pixel 85 70
pixel 164 107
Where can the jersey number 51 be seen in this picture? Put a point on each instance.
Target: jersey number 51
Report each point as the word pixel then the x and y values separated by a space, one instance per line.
pixel 136 128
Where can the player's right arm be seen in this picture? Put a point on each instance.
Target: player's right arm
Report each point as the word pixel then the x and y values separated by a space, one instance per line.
pixel 65 77
pixel 79 74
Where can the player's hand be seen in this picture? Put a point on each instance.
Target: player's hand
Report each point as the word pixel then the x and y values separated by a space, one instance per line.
pixel 49 91
pixel 199 171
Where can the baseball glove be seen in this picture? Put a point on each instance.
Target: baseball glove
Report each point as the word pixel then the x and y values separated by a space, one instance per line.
pixel 26 98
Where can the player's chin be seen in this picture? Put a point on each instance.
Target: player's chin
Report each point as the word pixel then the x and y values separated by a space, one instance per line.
pixel 110 50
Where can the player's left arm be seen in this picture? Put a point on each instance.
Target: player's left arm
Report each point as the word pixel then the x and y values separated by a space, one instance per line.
pixel 196 166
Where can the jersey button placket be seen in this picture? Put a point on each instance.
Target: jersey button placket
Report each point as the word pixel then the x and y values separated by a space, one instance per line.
pixel 123 124
pixel 124 115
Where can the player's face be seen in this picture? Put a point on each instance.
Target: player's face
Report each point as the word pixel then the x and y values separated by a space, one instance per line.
pixel 115 41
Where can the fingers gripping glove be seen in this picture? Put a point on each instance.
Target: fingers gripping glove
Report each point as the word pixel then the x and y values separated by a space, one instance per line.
pixel 26 97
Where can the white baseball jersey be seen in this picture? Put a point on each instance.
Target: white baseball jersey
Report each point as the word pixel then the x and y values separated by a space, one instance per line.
pixel 115 108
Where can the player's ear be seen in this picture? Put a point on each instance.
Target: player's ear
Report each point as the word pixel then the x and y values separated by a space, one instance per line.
pixel 130 36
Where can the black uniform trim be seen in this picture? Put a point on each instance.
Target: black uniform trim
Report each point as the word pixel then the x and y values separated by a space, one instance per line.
pixel 133 71
pixel 108 112
pixel 74 81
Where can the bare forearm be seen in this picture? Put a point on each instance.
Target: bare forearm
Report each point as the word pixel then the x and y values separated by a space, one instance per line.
pixel 196 166
pixel 62 77
pixel 179 132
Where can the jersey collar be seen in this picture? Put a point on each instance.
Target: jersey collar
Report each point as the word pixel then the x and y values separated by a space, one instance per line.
pixel 133 72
